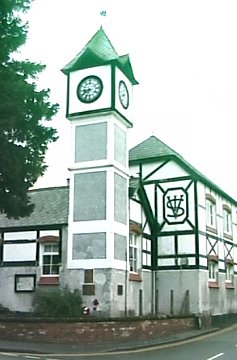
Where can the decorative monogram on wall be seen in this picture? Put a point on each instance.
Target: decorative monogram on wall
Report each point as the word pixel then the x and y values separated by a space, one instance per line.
pixel 175 205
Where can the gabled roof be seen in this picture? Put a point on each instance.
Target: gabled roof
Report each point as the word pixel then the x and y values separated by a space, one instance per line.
pixel 149 149
pixel 153 149
pixel 99 51
pixel 51 208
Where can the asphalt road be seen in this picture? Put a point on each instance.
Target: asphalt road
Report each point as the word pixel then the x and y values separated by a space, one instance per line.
pixel 221 345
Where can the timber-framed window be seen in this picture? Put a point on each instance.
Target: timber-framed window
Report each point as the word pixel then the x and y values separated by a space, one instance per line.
pixel 213 272
pixel 210 212
pixel 229 274
pixel 146 252
pixel 227 221
pixel 133 252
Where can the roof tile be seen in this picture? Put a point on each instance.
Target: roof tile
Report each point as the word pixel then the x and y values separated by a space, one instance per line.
pixel 99 51
pixel 51 208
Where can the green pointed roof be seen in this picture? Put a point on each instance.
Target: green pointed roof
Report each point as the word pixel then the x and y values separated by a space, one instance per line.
pixel 99 51
pixel 153 149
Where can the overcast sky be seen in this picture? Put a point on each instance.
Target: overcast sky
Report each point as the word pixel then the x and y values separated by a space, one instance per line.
pixel 184 55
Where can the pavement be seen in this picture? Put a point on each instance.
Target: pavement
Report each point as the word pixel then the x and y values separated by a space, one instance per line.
pixel 48 348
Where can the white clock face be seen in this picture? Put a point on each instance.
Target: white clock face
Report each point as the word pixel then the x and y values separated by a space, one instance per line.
pixel 123 94
pixel 89 89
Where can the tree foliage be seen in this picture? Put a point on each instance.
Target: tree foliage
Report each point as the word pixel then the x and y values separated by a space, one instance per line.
pixel 24 114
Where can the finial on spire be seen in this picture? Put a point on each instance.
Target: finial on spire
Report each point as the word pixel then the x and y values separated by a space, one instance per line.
pixel 103 7
pixel 103 13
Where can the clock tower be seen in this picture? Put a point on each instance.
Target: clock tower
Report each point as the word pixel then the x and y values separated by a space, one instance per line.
pixel 99 107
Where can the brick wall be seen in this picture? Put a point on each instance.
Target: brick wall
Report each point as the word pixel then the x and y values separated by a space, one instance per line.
pixel 71 332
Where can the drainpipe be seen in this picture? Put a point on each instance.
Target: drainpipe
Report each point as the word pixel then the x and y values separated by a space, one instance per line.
pixel 126 285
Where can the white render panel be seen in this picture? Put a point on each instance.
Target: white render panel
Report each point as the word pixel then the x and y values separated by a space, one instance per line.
pixel 20 235
pixel 166 262
pixel 89 226
pixel 49 232
pixel 166 245
pixel 104 101
pixel 168 171
pixel 145 225
pixel 150 191
pixel 202 245
pixel 95 263
pixel 19 252
pixel 203 261
pixel 135 211
pixel 221 251
pixel 186 244
pixel 191 261
pixel 112 120
pixel 201 194
pixel 201 219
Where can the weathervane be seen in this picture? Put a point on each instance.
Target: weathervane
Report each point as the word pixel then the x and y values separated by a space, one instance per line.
pixel 103 14
pixel 103 11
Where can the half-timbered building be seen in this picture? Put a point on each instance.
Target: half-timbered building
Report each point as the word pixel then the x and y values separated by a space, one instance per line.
pixel 140 231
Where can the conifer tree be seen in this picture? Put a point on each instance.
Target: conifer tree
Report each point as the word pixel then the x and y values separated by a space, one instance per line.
pixel 25 114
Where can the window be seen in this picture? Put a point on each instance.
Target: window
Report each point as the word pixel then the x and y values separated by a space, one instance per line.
pixel 227 223
pixel 120 290
pixel 146 252
pixel 89 276
pixel 229 272
pixel 88 288
pixel 133 252
pixel 211 213
pixel 213 270
pixel 51 259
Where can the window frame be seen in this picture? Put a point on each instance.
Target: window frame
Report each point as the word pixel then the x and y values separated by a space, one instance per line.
pixel 210 212
pixel 51 254
pixel 146 252
pixel 134 262
pixel 229 272
pixel 88 287
pixel 212 265
pixel 213 272
pixel 227 221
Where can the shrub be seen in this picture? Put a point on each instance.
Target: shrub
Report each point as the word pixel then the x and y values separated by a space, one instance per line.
pixel 57 303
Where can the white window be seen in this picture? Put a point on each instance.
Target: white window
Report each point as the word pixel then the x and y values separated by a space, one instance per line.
pixel 213 270
pixel 229 272
pixel 146 252
pixel 133 252
pixel 50 259
pixel 227 221
pixel 211 213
